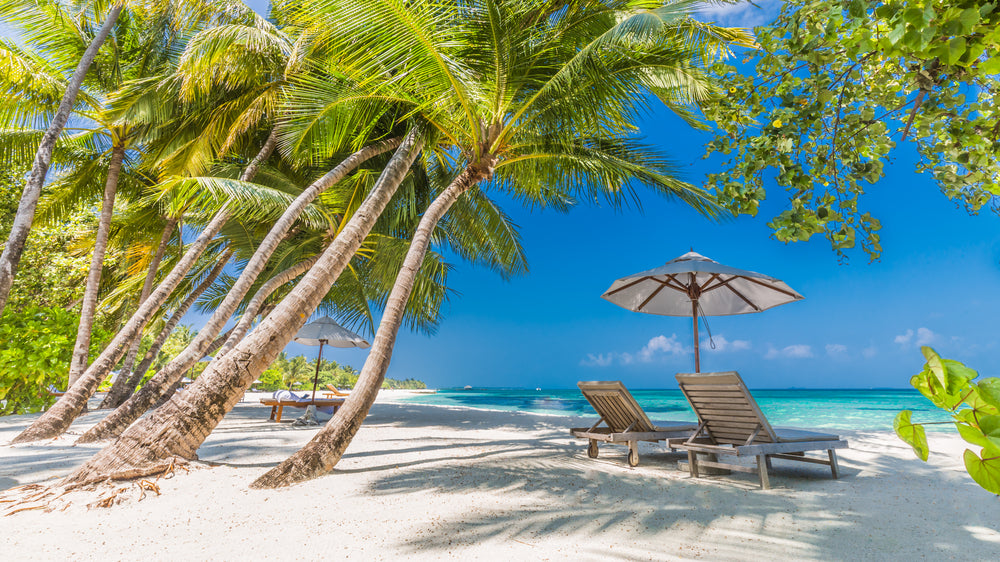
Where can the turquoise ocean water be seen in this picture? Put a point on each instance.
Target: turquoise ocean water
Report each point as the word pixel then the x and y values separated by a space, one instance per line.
pixel 811 408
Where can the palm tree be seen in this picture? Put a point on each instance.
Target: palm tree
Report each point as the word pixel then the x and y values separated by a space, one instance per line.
pixel 505 124
pixel 11 256
pixel 60 416
pixel 135 378
pixel 551 99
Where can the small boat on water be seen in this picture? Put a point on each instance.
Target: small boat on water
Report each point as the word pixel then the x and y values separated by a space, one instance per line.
pixel 468 387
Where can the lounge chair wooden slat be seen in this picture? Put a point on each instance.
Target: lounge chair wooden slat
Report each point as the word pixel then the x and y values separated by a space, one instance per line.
pixel 731 424
pixel 722 398
pixel 713 388
pixel 714 411
pixel 717 393
pixel 739 428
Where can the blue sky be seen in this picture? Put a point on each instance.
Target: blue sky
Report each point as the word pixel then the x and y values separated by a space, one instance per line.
pixel 860 325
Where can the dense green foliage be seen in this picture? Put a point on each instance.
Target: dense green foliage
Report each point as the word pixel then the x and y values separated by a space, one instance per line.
pixel 975 407
pixel 52 267
pixel 36 345
pixel 835 85
pixel 297 374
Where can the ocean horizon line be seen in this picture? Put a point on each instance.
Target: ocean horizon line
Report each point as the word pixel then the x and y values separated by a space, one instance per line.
pixel 639 389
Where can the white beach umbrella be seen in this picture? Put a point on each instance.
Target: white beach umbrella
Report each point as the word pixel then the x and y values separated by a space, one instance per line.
pixel 324 331
pixel 693 284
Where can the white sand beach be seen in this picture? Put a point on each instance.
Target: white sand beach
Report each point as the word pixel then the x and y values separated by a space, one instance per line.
pixel 439 483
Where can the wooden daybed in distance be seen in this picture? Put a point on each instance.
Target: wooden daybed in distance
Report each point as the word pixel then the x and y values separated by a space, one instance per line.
pixel 278 405
pixel 624 420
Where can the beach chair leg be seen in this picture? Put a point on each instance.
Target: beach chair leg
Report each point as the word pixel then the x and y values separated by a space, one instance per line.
pixel 633 453
pixel 693 463
pixel 765 482
pixel 273 410
pixel 280 408
pixel 592 449
pixel 834 468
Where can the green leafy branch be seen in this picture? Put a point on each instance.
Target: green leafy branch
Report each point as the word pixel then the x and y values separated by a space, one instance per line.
pixel 975 407
pixel 834 87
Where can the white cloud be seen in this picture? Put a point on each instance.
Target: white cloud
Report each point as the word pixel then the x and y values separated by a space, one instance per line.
pixel 599 360
pixel 660 345
pixel 799 351
pixel 656 349
pixel 922 336
pixel 869 352
pixel 723 345
pixel 836 350
pixel 925 336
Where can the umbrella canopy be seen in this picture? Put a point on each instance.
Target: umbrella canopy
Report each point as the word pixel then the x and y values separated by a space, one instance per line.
pixel 693 284
pixel 324 331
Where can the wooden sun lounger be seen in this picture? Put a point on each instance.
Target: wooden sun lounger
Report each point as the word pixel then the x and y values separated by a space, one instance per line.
pixel 278 405
pixel 731 423
pixel 334 391
pixel 624 420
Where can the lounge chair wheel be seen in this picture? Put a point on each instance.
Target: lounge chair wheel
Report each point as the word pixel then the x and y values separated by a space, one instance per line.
pixel 592 449
pixel 633 456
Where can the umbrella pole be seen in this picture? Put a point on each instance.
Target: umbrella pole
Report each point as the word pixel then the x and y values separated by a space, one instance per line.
pixel 316 378
pixel 694 314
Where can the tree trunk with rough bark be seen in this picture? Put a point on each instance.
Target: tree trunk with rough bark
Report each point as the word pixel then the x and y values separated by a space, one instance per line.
pixel 254 306
pixel 19 230
pixel 163 384
pixel 323 452
pixel 60 416
pixel 122 387
pixel 175 319
pixel 88 307
pixel 164 396
pixel 179 427
pixel 195 350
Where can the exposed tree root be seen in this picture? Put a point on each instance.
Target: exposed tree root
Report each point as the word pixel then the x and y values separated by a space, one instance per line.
pixel 164 469
pixel 38 496
pixel 109 500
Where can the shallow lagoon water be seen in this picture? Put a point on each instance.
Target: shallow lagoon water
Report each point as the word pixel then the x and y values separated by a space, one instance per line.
pixel 811 408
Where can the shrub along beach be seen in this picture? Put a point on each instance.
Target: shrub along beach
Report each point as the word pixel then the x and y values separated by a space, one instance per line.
pixel 188 188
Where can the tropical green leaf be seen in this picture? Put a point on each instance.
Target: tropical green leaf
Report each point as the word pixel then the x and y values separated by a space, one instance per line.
pixel 972 434
pixel 911 433
pixel 989 391
pixel 984 470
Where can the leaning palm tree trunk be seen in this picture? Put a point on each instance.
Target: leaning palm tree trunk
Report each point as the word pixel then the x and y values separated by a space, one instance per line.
pixel 323 452
pixel 180 426
pixel 123 385
pixel 175 319
pixel 88 308
pixel 164 380
pixel 164 396
pixel 162 385
pixel 60 416
pixel 255 304
pixel 12 251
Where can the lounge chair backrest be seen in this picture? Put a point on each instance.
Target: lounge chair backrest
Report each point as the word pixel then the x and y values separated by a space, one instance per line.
pixel 615 404
pixel 726 408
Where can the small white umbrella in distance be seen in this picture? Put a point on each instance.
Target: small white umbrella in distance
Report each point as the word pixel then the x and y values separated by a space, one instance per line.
pixel 324 331
pixel 693 284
